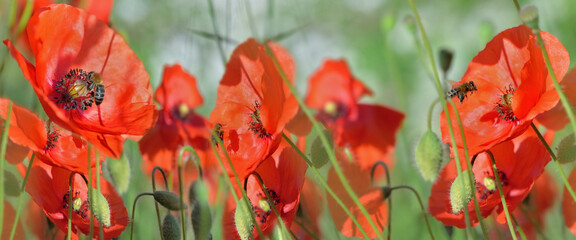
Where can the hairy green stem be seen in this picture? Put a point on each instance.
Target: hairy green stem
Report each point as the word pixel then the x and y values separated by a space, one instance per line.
pixel 421 206
pixel 502 197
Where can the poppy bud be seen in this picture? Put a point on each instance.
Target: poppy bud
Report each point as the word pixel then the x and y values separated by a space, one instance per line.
pixel 169 200
pixel 567 149
pixel 529 16
pixel 387 22
pixel 170 228
pixel 242 219
pixel 429 155
pixel 461 192
pixel 446 56
pixel 318 154
pixel 100 207
pixel 120 172
pixel 201 226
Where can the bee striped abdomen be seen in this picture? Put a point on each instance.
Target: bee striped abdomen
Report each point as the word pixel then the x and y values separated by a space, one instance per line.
pixel 99 94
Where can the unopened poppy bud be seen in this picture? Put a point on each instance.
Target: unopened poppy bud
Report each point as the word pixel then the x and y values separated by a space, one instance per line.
pixel 120 172
pixel 331 108
pixel 410 23
pixel 461 192
pixel 183 111
pixel 242 219
pixel 429 155
pixel 318 154
pixel 529 16
pixel 201 220
pixel 100 208
pixel 170 228
pixel 567 149
pixel 446 56
pixel 169 200
pixel 489 183
pixel 386 191
pixel 192 197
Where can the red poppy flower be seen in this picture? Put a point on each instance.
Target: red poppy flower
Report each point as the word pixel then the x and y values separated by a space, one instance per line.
pixel 73 51
pixel 569 205
pixel 283 175
pixel 54 146
pixel 306 226
pixel 556 119
pixel 519 162
pixel 370 197
pixel 368 130
pixel 530 215
pixel 253 104
pixel 48 187
pixel 178 125
pixel 40 225
pixel 513 87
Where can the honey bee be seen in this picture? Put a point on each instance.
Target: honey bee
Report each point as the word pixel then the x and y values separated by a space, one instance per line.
pixel 95 82
pixel 217 131
pixel 462 91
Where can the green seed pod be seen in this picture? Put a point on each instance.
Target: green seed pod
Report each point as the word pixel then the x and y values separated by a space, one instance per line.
pixel 120 172
pixel 461 192
pixel 169 200
pixel 243 220
pixel 171 228
pixel 429 155
pixel 100 208
pixel 567 149
pixel 529 16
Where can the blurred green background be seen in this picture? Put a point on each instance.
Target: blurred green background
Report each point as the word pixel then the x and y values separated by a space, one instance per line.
pixel 373 36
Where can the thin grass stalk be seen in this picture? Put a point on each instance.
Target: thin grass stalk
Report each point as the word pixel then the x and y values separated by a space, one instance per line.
pixel 21 196
pixel 132 220
pixel 502 197
pixel 2 160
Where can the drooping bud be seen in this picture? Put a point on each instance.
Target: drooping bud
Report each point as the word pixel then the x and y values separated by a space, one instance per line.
pixel 446 56
pixel 529 16
pixel 99 206
pixel 200 214
pixel 461 192
pixel 243 220
pixel 120 172
pixel 170 228
pixel 567 149
pixel 169 200
pixel 429 155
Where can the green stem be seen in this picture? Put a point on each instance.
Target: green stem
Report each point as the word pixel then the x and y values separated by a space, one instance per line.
pixel 25 16
pixel 565 102
pixel 517 5
pixel 90 202
pixel 216 32
pixel 421 206
pixel 180 182
pixel 502 197
pixel 558 166
pixel 2 160
pixel 21 195
pixel 283 227
pixel 100 227
pixel 324 184
pixel 156 202
pixel 70 190
pixel 229 182
pixel 522 234
pixel 430 112
pixel 444 106
pixel 388 184
pixel 316 126
pixel 534 223
pixel 134 212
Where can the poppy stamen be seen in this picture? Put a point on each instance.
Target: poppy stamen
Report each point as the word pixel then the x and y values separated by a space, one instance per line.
pixel 504 107
pixel 78 206
pixel 262 210
pixel 75 90
pixel 52 140
pixel 488 185
pixel 255 124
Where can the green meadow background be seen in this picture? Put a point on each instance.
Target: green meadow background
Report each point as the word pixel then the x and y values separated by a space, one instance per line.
pixel 375 37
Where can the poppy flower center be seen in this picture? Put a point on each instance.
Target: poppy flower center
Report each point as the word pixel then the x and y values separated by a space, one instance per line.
pixel 488 185
pixel 333 110
pixel 255 124
pixel 504 107
pixel 79 206
pixel 52 140
pixel 78 89
pixel 263 210
pixel 181 112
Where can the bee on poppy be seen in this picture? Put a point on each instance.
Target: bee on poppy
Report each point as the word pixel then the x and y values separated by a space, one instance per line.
pixel 96 84
pixel 462 90
pixel 217 131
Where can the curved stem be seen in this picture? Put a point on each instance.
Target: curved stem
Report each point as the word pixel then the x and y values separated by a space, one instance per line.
pixel 70 190
pixel 388 197
pixel 421 206
pixel 180 183
pixel 430 111
pixel 444 105
pixel 325 185
pixel 331 156
pixel 134 212
pixel 502 197
pixel 21 195
pixel 155 202
pixel 558 166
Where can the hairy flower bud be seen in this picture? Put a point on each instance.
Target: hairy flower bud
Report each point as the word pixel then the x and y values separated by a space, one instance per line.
pixel 100 207
pixel 120 172
pixel 171 228
pixel 461 192
pixel 169 200
pixel 567 149
pixel 429 155
pixel 242 219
